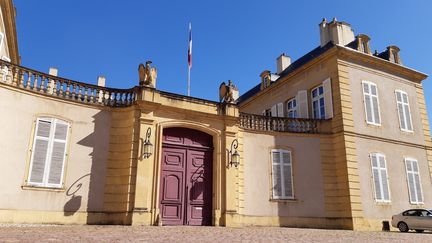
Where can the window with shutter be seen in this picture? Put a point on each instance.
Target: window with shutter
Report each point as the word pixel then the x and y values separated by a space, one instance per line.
pixel 371 103
pixel 280 110
pixel 413 179
pixel 328 99
pixel 48 153
pixel 380 177
pixel 282 178
pixel 318 103
pixel 302 102
pixel 292 108
pixel 403 111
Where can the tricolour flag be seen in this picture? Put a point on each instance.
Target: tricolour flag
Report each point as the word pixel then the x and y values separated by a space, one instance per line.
pixel 190 46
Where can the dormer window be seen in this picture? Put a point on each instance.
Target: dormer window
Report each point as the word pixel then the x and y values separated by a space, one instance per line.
pixel 363 43
pixel 265 79
pixel 266 82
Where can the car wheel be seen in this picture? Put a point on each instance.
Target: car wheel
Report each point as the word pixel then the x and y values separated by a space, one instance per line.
pixel 419 231
pixel 403 227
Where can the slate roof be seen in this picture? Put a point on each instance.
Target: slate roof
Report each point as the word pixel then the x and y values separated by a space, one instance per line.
pixel 291 68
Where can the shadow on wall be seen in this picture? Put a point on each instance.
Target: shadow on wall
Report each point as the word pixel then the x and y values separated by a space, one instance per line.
pixel 99 142
pixel 74 203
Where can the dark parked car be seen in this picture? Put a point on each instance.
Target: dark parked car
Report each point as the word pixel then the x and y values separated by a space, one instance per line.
pixel 413 219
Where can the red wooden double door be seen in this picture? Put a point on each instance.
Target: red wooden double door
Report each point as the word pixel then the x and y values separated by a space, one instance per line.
pixel 186 177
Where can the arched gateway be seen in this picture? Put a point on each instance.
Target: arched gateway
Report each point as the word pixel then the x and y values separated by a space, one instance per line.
pixel 186 177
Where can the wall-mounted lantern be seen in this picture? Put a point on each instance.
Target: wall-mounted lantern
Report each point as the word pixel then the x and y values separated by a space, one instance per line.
pixel 234 154
pixel 148 146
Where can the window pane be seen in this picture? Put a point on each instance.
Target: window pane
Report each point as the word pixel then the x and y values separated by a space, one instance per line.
pixel 276 158
pixel 408 117
pixel 321 90
pixel 418 188
pixel 43 129
pixel 385 188
pixel 315 109
pixel 401 116
pixel 39 160
pixel 373 89
pixel 314 93
pixel 377 184
pixel 277 186
pixel 56 166
pixel 366 88
pixel 398 96
pixel 368 105
pixel 411 187
pixel 61 131
pixel 288 181
pixel 374 160
pixel 375 110
pixel 405 98
pixel 286 158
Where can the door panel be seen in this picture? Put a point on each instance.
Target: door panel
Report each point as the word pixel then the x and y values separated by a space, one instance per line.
pixel 172 186
pixel 186 177
pixel 199 185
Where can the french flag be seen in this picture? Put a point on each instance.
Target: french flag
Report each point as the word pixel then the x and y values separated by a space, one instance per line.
pixel 190 46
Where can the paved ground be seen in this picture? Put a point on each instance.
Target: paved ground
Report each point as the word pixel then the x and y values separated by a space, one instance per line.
pixel 52 233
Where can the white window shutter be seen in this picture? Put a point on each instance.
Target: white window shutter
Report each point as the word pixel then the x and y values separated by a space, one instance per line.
pixel 287 174
pixel 274 111
pixel 302 104
pixel 276 175
pixel 40 150
pixel 58 154
pixel 280 112
pixel 328 99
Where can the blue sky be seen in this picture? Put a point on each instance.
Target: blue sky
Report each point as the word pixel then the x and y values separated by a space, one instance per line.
pixel 234 40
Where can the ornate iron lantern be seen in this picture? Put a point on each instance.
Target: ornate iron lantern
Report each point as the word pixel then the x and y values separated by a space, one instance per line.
pixel 147 146
pixel 234 154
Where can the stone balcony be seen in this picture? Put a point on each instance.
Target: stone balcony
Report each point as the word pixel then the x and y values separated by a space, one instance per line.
pixel 45 84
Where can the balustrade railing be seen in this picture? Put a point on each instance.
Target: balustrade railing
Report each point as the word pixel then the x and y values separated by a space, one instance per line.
pixel 46 84
pixel 278 124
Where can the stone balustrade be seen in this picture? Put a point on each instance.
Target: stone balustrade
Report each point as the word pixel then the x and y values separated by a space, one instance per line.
pixel 279 124
pixel 38 82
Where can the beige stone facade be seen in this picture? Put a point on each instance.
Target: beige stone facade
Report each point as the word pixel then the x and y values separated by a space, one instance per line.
pixel 304 137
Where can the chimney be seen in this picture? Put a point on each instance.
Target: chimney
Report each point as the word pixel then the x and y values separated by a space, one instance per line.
pixel 51 84
pixel 338 32
pixel 101 81
pixel 53 71
pixel 282 62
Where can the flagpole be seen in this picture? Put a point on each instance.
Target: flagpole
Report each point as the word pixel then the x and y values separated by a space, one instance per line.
pixel 188 81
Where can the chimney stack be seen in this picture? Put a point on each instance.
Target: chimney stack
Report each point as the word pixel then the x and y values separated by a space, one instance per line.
pixel 53 71
pixel 338 32
pixel 101 81
pixel 282 62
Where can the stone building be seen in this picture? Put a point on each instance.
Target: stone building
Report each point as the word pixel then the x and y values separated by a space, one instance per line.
pixel 336 139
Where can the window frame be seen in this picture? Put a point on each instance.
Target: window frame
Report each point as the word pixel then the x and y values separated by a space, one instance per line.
pixel 318 98
pixel 406 159
pixel 51 139
pixel 294 109
pixel 282 197
pixel 403 111
pixel 369 83
pixel 380 179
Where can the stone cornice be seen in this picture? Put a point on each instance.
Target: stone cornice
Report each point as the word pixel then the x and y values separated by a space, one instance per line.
pixel 8 11
pixel 381 64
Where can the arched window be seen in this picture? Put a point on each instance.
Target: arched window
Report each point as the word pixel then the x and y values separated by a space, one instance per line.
pixel 48 153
